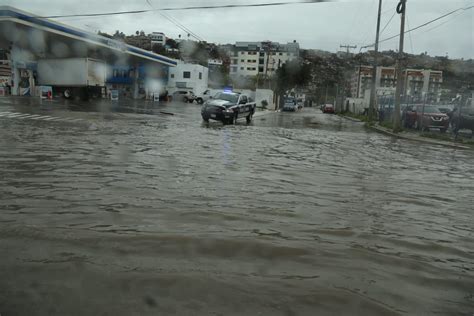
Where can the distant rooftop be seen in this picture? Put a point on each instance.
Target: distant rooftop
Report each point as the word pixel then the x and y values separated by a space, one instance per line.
pixel 274 46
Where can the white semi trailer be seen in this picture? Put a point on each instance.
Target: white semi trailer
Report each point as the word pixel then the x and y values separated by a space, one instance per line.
pixel 82 78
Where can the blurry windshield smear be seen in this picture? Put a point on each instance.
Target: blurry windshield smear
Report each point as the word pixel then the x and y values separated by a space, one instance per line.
pixel 240 157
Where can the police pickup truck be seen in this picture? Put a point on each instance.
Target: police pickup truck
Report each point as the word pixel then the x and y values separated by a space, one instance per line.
pixel 228 107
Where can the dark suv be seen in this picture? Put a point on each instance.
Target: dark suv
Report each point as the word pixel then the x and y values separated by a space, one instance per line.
pixel 227 107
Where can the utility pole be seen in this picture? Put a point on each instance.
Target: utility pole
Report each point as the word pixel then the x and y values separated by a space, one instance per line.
pixel 267 46
pixel 373 92
pixel 348 48
pixel 401 9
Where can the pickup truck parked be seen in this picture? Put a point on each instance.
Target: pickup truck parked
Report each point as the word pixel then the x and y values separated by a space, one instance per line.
pixel 205 96
pixel 228 107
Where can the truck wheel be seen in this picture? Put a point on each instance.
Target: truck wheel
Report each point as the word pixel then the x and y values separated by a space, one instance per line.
pixel 199 101
pixel 67 94
pixel 205 119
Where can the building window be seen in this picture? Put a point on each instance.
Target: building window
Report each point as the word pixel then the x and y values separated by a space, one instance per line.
pixel 234 62
pixel 241 68
pixel 234 69
pixel 200 76
pixel 242 60
pixel 186 74
pixel 172 76
pixel 281 54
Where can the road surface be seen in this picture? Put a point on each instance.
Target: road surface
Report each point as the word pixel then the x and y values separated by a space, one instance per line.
pixel 145 210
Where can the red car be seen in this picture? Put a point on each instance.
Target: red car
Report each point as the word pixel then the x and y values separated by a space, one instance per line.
pixel 428 117
pixel 328 108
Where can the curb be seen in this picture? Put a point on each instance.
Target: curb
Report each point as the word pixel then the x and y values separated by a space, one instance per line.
pixel 418 139
pixel 351 118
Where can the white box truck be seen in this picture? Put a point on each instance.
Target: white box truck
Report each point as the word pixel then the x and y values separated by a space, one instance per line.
pixel 73 77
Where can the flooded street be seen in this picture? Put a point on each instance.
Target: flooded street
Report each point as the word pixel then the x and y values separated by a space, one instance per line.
pixel 141 212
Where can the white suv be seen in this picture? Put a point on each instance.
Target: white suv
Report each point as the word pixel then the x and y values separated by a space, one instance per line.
pixel 184 95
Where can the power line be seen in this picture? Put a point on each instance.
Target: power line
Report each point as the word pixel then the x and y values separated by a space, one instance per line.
pixel 439 25
pixel 429 22
pixel 177 23
pixel 189 8
pixel 422 25
pixel 394 13
pixel 367 33
pixel 181 26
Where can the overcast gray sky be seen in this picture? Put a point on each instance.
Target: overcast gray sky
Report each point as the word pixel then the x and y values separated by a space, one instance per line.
pixel 321 25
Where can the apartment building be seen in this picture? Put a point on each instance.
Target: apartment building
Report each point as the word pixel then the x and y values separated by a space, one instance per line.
pixel 260 58
pixel 158 38
pixel 418 83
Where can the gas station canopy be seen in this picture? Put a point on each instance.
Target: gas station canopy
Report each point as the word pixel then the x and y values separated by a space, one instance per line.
pixel 44 38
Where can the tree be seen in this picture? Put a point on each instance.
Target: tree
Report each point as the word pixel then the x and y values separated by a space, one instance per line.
pixel 158 49
pixel 171 43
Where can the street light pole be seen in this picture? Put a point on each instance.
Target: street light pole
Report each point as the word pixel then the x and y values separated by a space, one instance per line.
pixel 372 110
pixel 401 9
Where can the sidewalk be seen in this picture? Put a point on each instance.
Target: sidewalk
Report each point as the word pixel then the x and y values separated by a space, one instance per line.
pixel 350 118
pixel 418 138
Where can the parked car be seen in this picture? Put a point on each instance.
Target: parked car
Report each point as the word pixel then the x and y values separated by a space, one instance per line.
pixel 184 96
pixel 425 117
pixel 446 108
pixel 463 120
pixel 205 96
pixel 228 107
pixel 290 104
pixel 328 108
